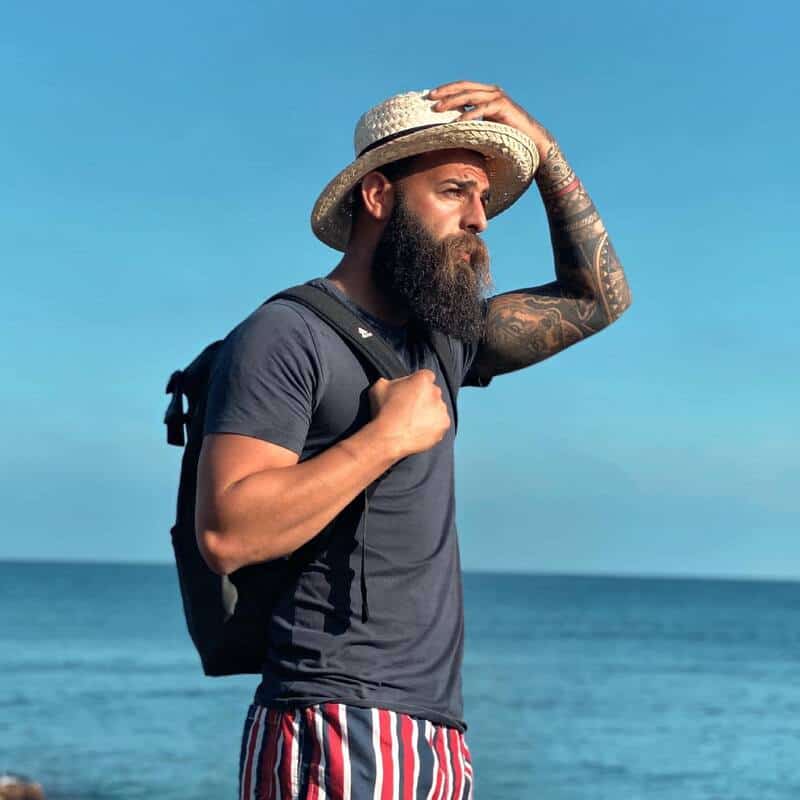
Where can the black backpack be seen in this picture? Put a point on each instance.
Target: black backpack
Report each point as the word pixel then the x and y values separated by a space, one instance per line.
pixel 228 615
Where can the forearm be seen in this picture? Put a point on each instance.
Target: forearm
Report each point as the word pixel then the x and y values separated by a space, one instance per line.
pixel 586 265
pixel 272 513
pixel 590 291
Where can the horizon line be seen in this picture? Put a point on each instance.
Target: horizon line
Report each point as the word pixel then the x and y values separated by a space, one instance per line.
pixel 655 576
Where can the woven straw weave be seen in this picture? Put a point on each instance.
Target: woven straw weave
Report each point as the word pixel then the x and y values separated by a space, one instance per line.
pixel 511 157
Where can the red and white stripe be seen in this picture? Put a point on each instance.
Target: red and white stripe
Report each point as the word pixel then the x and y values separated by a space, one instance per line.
pixel 458 762
pixel 276 775
pixel 287 769
pixel 317 755
pixel 387 765
pixel 467 766
pixel 415 751
pixel 345 753
pixel 435 791
pixel 250 771
pixel 394 743
pixel 395 755
pixel 269 757
pixel 410 765
pixel 376 754
pixel 335 739
pixel 448 762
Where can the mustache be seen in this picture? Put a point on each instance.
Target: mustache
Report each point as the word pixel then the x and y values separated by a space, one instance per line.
pixel 471 245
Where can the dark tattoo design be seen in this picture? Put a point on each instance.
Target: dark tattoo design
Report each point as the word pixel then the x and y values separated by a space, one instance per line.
pixel 615 294
pixel 589 293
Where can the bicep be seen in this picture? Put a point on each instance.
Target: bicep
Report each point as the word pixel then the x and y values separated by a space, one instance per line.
pixel 530 325
pixel 226 459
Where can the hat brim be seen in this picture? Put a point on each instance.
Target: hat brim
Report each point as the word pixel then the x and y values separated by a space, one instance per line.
pixel 511 161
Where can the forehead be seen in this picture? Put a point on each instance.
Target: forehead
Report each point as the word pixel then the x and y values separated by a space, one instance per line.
pixel 461 164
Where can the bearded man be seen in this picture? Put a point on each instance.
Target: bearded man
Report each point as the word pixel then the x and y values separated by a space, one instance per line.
pixel 361 691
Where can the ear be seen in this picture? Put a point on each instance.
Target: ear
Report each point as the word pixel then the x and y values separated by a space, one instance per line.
pixel 377 195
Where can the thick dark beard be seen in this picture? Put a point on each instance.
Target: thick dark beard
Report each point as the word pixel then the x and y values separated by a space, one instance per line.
pixel 431 279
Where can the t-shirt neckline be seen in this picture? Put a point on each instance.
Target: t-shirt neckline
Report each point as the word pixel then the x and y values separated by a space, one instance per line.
pixel 396 333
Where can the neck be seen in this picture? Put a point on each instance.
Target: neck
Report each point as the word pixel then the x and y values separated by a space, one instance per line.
pixel 353 276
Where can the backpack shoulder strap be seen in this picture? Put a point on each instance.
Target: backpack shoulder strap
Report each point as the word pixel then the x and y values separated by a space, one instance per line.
pixel 350 327
pixel 371 346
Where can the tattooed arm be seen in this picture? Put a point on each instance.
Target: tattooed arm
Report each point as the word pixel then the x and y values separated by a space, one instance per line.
pixel 590 290
pixel 589 293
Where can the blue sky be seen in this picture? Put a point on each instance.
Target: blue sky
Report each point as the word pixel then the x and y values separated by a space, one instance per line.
pixel 159 163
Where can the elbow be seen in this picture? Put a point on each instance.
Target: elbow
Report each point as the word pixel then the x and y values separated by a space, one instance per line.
pixel 211 543
pixel 626 301
pixel 619 302
pixel 225 552
pixel 227 540
pixel 217 552
pixel 215 543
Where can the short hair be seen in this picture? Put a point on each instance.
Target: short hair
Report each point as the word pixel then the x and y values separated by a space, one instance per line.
pixel 393 172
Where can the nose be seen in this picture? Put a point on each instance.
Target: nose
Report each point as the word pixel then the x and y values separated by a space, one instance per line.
pixel 475 215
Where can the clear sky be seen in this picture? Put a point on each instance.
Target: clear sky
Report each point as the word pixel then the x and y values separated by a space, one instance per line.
pixel 158 164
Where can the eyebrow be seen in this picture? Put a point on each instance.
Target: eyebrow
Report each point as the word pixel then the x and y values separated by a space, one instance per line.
pixel 468 184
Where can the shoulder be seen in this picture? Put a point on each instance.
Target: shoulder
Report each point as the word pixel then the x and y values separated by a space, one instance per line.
pixel 275 346
pixel 279 318
pixel 267 378
pixel 279 328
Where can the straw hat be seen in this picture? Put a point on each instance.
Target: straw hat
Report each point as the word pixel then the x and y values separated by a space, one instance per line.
pixel 406 125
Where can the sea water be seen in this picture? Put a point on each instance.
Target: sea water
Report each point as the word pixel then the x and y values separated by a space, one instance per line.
pixel 576 688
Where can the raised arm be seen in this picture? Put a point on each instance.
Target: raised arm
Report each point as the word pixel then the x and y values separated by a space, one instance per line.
pixel 590 291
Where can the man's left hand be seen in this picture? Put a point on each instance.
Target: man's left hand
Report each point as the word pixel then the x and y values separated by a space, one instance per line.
pixel 494 105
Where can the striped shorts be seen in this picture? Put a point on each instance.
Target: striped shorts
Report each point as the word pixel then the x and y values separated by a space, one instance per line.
pixel 338 752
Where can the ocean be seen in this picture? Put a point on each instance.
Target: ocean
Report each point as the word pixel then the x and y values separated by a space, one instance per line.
pixel 576 688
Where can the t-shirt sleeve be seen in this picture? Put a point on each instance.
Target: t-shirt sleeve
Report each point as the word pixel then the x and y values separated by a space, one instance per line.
pixel 469 350
pixel 266 379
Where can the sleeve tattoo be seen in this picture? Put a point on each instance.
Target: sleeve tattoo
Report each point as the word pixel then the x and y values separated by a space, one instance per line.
pixel 589 293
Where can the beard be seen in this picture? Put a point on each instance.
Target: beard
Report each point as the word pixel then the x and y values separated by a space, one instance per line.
pixel 440 283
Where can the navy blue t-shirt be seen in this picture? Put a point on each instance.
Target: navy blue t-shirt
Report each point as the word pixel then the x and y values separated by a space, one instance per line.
pixel 284 376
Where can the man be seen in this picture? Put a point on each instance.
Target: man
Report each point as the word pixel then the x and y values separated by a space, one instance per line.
pixel 306 453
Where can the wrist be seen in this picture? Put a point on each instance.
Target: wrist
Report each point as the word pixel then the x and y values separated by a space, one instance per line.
pixel 542 138
pixel 555 176
pixel 382 444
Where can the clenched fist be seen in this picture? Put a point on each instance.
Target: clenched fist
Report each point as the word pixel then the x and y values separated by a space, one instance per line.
pixel 410 412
